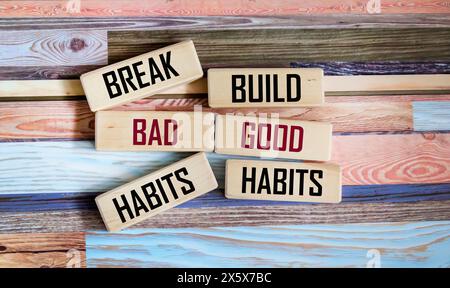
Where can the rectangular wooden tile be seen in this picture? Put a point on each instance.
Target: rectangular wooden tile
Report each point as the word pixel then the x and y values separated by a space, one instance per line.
pixel 154 131
pixel 265 87
pixel 283 181
pixel 272 137
pixel 152 194
pixel 141 76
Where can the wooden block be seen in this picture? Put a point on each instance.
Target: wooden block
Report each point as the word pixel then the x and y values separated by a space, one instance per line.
pixel 154 131
pixel 283 181
pixel 265 87
pixel 157 192
pixel 273 137
pixel 141 76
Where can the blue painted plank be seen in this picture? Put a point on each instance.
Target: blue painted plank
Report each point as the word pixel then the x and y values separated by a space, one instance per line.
pixel 416 244
pixel 400 193
pixel 431 116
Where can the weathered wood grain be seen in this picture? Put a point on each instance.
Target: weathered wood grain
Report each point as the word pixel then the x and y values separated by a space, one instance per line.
pixel 399 193
pixel 431 116
pixel 416 244
pixel 75 166
pixel 50 250
pixel 53 48
pixel 68 221
pixel 25 120
pixel 60 8
pixel 44 72
pixel 279 47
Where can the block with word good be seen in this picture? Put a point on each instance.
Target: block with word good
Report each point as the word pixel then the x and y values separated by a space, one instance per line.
pixel 154 131
pixel 283 181
pixel 141 76
pixel 152 194
pixel 272 137
pixel 265 87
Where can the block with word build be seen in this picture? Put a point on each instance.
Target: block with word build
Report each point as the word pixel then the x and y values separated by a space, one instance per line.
pixel 265 87
pixel 272 137
pixel 141 76
pixel 283 181
pixel 154 131
pixel 152 194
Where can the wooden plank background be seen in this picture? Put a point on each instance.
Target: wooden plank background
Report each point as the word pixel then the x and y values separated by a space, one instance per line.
pixel 394 148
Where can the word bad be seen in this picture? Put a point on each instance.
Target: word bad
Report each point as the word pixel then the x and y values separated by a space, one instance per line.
pixel 156 192
pixel 272 138
pixel 265 87
pixel 283 181
pixel 154 131
pixel 141 76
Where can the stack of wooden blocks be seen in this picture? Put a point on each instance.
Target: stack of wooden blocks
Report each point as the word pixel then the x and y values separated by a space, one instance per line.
pixel 243 135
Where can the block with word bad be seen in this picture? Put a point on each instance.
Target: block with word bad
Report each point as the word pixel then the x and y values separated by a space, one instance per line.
pixel 283 181
pixel 152 194
pixel 141 76
pixel 154 131
pixel 272 137
pixel 265 87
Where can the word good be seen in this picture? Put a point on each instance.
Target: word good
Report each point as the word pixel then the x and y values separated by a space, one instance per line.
pixel 283 181
pixel 265 87
pixel 154 131
pixel 152 194
pixel 141 76
pixel 272 138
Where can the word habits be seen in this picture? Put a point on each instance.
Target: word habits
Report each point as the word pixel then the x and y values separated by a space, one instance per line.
pixel 154 131
pixel 283 181
pixel 152 194
pixel 265 87
pixel 272 137
pixel 141 76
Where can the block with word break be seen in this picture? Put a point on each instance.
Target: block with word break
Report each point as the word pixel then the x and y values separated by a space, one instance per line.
pixel 272 137
pixel 265 87
pixel 283 181
pixel 154 131
pixel 157 192
pixel 141 76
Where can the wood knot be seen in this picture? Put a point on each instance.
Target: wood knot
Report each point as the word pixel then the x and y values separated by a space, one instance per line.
pixel 2 248
pixel 77 44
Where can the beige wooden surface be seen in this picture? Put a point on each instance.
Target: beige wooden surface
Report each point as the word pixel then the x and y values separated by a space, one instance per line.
pixel 154 131
pixel 173 65
pixel 238 135
pixel 265 87
pixel 283 181
pixel 190 178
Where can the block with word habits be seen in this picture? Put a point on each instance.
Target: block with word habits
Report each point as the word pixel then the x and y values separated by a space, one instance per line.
pixel 272 137
pixel 152 194
pixel 154 131
pixel 265 87
pixel 141 76
pixel 283 181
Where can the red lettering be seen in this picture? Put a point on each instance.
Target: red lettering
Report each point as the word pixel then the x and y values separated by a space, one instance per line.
pixel 139 131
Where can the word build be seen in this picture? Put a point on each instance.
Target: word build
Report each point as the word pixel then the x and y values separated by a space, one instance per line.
pixel 152 194
pixel 154 131
pixel 283 181
pixel 265 87
pixel 141 76
pixel 272 137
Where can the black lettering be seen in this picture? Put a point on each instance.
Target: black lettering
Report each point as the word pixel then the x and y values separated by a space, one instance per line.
pixel 185 181
pixel 248 179
pixel 302 173
pixel 169 182
pixel 167 66
pixel 151 196
pixel 264 182
pixel 110 84
pixel 139 75
pixel 279 180
pixel 235 88
pixel 120 209
pixel 298 96
pixel 162 191
pixel 138 204
pixel 126 80
pixel 314 180
pixel 275 90
pixel 155 73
